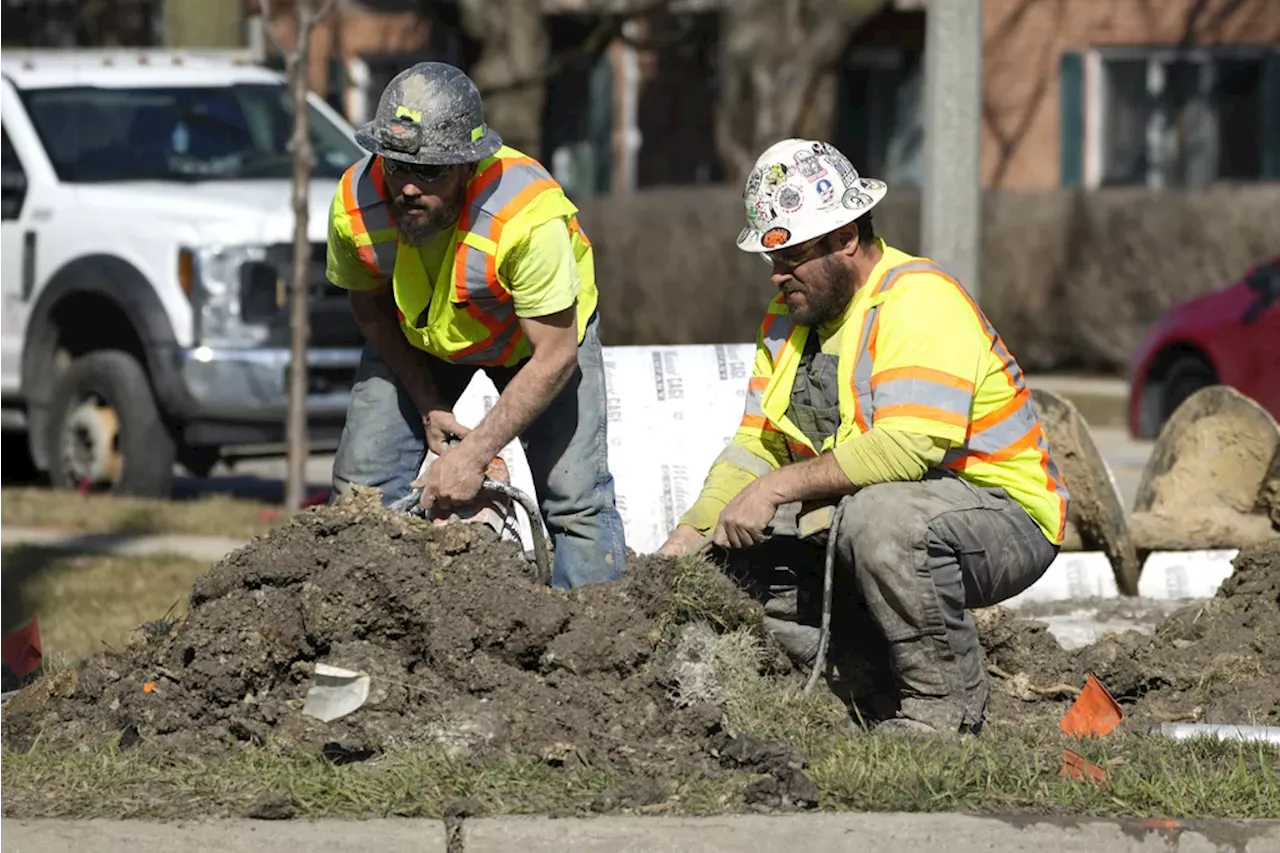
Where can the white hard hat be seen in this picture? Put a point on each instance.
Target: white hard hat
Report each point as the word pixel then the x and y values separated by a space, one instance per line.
pixel 800 189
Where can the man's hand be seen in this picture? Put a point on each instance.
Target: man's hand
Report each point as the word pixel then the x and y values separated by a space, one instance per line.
pixel 453 479
pixel 440 425
pixel 681 541
pixel 743 520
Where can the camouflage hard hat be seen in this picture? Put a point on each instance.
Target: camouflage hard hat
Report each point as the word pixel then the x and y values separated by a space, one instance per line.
pixel 430 114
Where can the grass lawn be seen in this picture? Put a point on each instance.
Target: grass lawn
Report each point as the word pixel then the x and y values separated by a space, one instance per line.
pixel 1002 772
pixel 215 515
pixel 86 603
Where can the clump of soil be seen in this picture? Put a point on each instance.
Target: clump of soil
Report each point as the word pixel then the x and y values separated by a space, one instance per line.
pixel 1216 662
pixel 462 648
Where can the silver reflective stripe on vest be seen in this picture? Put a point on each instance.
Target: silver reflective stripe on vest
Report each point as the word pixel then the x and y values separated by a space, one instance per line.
pixel 737 455
pixel 863 366
pixel 775 337
pixel 484 217
pixel 901 392
pixel 375 215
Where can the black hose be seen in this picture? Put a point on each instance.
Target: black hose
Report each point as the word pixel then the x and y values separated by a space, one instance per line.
pixel 828 580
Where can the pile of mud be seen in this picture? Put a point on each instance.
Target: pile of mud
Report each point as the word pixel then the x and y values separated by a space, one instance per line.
pixel 462 648
pixel 1212 662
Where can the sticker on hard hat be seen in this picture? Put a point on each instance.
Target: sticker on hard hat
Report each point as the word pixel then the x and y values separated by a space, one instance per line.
pixel 775 237
pixel 789 199
pixel 853 199
pixel 826 191
pixel 809 166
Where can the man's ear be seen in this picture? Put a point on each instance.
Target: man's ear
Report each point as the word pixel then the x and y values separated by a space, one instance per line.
pixel 847 239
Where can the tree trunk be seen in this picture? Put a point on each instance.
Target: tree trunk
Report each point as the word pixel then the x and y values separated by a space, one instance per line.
pixel 779 59
pixel 303 162
pixel 513 49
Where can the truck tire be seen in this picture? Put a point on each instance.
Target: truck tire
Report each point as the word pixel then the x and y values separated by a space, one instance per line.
pixel 105 427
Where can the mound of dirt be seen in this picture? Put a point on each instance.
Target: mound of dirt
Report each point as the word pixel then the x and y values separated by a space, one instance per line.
pixel 1216 662
pixel 462 648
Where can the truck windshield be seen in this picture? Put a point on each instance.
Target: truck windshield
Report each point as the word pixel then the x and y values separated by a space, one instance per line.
pixel 237 132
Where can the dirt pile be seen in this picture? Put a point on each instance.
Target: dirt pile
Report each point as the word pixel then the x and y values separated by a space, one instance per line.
pixel 1216 662
pixel 461 646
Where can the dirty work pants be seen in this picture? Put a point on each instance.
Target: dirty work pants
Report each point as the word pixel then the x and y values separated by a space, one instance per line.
pixel 910 557
pixel 383 444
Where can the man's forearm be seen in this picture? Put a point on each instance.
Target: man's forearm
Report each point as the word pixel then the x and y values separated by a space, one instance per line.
pixel 526 396
pixel 375 314
pixel 809 480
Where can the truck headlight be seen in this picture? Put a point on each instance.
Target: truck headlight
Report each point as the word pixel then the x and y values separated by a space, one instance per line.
pixel 217 295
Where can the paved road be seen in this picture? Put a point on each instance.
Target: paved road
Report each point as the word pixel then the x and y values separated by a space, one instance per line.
pixel 939 833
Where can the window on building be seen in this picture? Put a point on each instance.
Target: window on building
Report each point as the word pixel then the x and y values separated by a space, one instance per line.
pixel 880 115
pixel 1181 119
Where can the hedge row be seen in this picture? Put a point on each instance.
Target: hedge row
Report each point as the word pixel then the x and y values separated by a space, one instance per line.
pixel 1069 278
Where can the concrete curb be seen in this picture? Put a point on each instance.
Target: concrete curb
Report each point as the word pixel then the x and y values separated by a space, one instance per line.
pixel 941 832
pixel 210 548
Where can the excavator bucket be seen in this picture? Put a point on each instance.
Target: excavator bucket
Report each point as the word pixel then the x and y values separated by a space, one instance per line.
pixel 1096 519
pixel 1213 478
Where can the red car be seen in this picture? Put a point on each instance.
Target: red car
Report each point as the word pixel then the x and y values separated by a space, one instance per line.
pixel 1228 337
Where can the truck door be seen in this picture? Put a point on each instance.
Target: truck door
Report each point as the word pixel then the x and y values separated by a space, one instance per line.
pixel 17 272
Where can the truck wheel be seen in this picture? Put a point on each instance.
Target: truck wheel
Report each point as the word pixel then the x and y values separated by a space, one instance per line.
pixel 106 430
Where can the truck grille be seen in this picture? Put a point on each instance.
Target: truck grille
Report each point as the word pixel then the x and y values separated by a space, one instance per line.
pixel 263 299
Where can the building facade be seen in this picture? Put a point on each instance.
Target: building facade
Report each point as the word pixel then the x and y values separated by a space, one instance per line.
pixel 1076 93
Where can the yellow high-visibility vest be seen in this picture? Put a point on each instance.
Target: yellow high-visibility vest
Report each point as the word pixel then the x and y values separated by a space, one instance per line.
pixel 463 311
pixel 996 436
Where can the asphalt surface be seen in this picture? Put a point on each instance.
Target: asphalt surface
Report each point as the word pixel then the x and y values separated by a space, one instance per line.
pixel 938 832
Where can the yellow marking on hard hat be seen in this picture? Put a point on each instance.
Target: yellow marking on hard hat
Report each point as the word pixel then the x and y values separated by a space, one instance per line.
pixel 477 132
pixel 404 112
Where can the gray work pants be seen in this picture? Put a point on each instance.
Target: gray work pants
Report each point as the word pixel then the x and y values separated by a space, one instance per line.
pixel 911 557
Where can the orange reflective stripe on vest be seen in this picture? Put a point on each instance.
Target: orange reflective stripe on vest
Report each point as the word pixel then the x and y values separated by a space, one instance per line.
pixel 777 330
pixel 931 394
pixel 495 195
pixel 364 195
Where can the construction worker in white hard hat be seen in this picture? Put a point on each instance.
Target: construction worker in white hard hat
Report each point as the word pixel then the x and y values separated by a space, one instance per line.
pixel 460 254
pixel 883 399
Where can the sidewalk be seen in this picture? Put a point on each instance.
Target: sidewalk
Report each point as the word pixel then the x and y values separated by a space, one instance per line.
pixel 937 832
pixel 1083 384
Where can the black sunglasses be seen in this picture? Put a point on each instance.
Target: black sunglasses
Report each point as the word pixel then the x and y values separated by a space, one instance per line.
pixel 427 173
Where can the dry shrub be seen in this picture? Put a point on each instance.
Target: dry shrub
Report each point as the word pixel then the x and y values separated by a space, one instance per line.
pixel 1069 278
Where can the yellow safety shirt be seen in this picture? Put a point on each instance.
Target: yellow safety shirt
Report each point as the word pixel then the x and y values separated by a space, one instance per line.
pixel 516 251
pixel 916 356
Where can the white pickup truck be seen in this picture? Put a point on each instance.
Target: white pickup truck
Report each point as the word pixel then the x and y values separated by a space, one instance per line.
pixel 147 238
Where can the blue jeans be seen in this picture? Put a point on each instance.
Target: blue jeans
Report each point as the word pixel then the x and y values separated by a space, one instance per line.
pixel 383 444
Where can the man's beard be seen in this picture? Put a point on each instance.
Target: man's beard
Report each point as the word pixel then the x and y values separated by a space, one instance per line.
pixel 826 302
pixel 418 229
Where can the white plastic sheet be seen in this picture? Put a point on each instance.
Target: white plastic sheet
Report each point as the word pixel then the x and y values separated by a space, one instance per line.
pixel 672 409
pixel 335 692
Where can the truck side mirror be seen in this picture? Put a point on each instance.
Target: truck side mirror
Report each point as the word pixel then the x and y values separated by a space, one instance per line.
pixel 13 189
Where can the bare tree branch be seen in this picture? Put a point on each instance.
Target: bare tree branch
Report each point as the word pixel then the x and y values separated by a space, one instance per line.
pixel 264 11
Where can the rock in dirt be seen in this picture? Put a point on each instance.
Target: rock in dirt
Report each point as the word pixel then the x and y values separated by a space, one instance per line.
pixel 272 806
pixel 1215 662
pixel 462 648
pixel 783 788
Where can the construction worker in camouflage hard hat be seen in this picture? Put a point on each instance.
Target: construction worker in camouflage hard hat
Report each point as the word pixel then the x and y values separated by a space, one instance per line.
pixel 430 114
pixel 462 254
